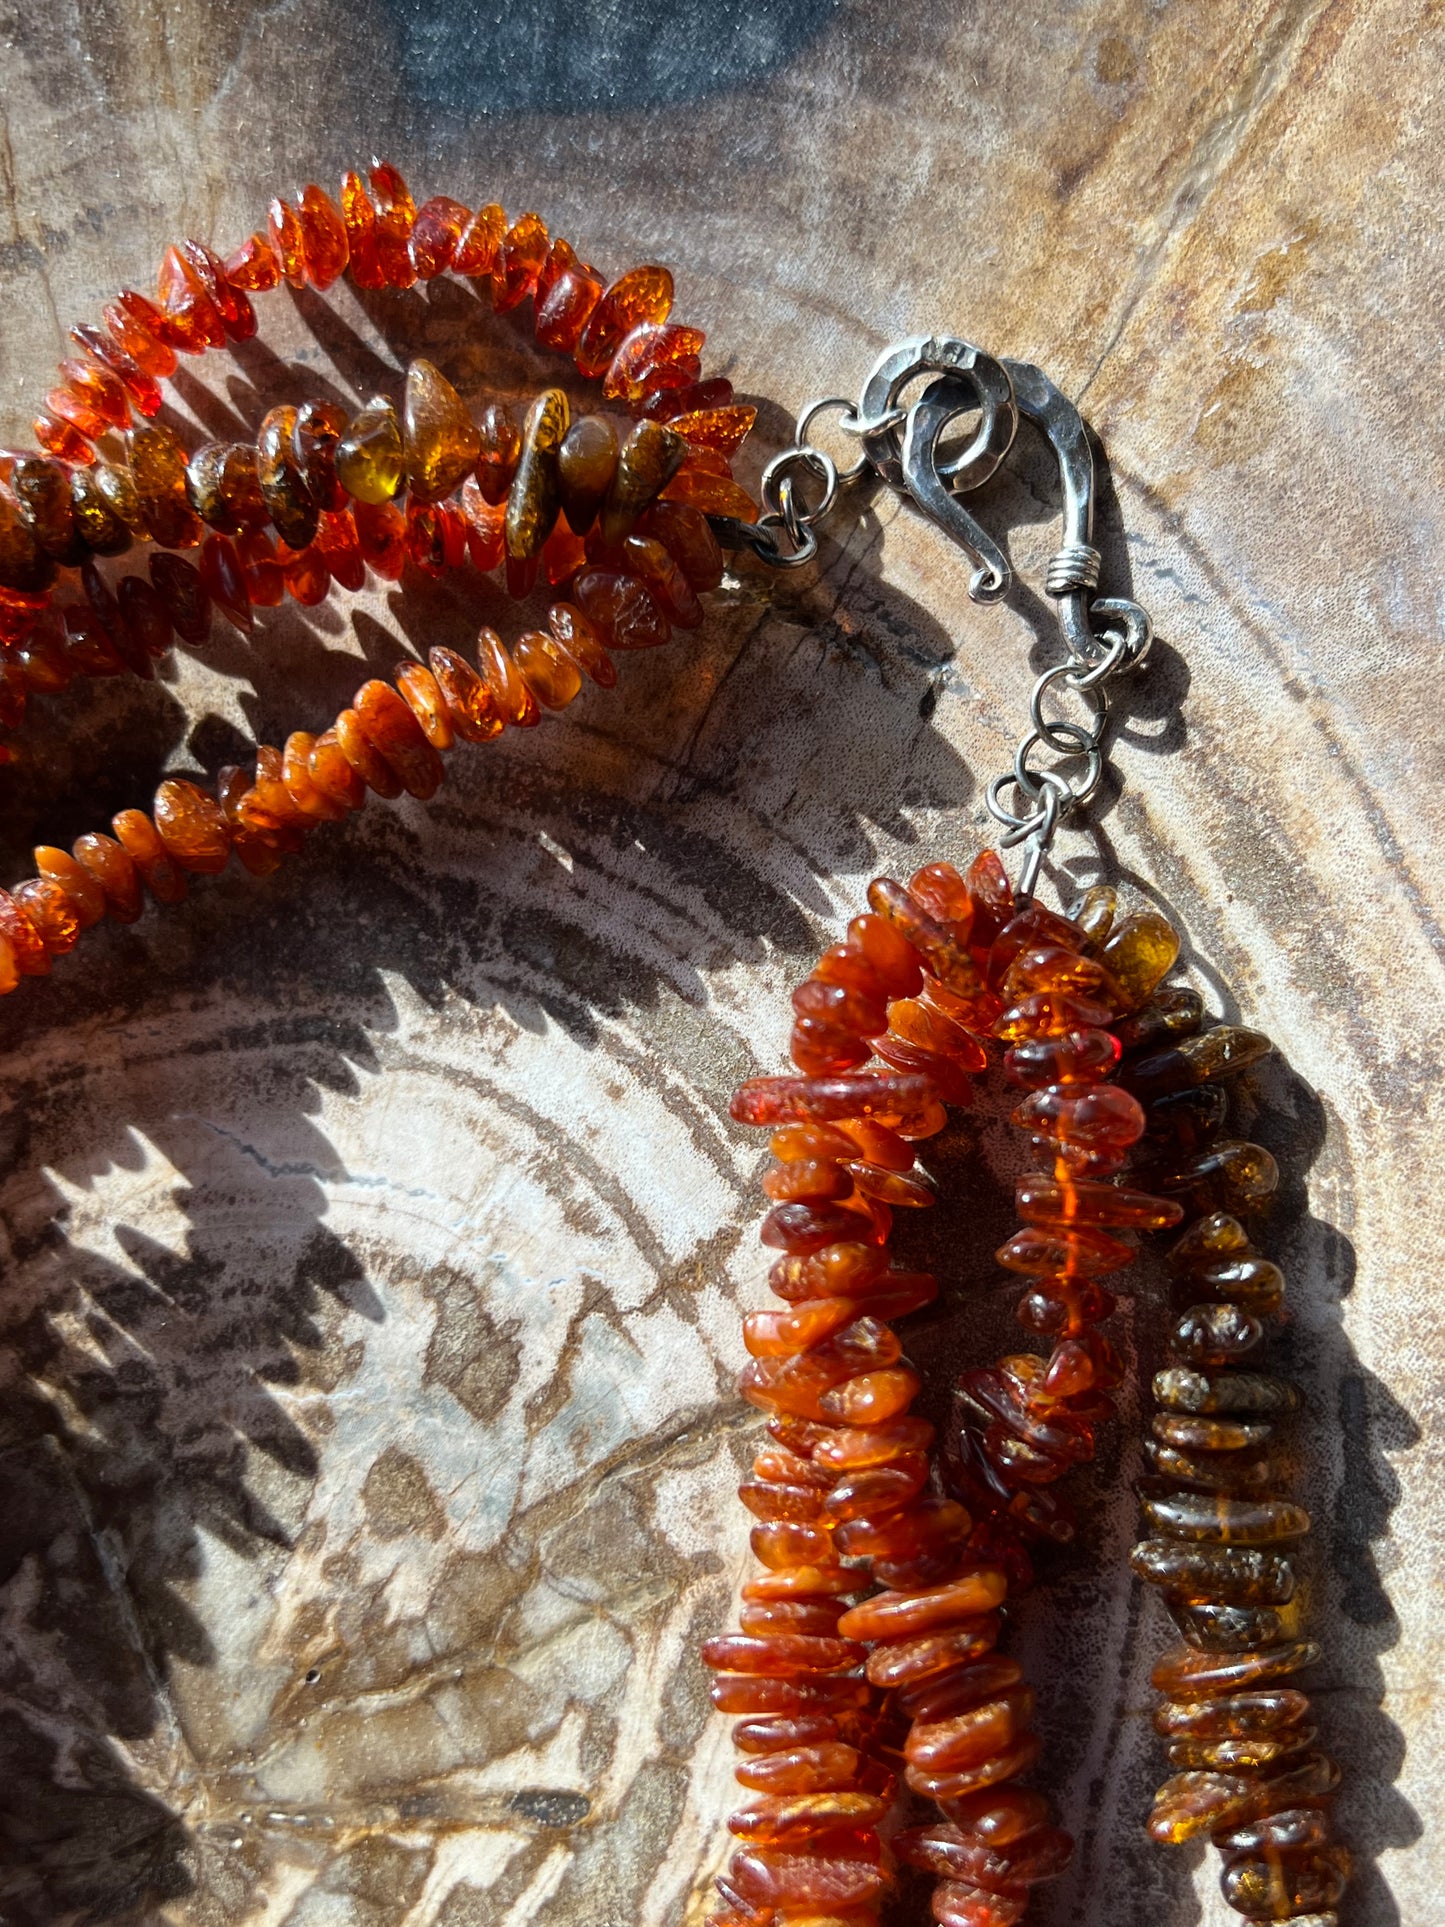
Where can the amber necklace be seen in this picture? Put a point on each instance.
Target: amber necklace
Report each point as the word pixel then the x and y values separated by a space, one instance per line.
pixel 866 1650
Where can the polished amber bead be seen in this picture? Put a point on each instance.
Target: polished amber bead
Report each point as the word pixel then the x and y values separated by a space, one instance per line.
pixel 359 217
pixel 843 1449
pixel 223 487
pixel 575 635
pixel 647 559
pixel 1229 1575
pixel 712 494
pixel 100 390
pixel 238 317
pixel 440 441
pixel 265 582
pixel 25 950
pixel 333 774
pixel 1139 953
pixel 180 588
pixel 142 391
pixel 648 458
pixel 1194 1392
pixel 1220 1052
pixel 770 1876
pixel 49 911
pixel 1285 1884
pixel 305 573
pixel 621 610
pixel 370 459
pixel 158 470
pixel 363 755
pixel 224 580
pixel 904 1615
pixel 519 262
pixel 288 240
pixel 684 532
pixel 1104 1117
pixel 780 1655
pixel 786 1100
pixel 282 479
pixel 381 537
pixel 337 544
pixel 299 784
pixel 969 1738
pixel 96 523
pixel 24 566
pixel 1214 1335
pixel 192 827
pixel 84 891
pixel 193 322
pixel 551 675
pixel 565 309
pixel 253 265
pixel 586 465
pixel 74 409
pixel 42 492
pixel 398 737
pixel 1210 1472
pixel 949 1786
pixel 60 438
pixel 423 696
pixel 788 1820
pixel 645 351
pixel 1229 1629
pixel 801 1768
pixel 1224 1520
pixel 532 500
pixel 1042 1199
pixel 722 429
pixel 499 451
pixel 439 226
pixel 1189 1674
pixel 1233 1716
pixel 139 330
pixel 145 621
pixel 477 245
pixel 319 428
pixel 469 701
pixel 511 697
pixel 141 842
pixel 642 294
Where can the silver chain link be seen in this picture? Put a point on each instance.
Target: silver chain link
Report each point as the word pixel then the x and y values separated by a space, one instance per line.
pixel 997 394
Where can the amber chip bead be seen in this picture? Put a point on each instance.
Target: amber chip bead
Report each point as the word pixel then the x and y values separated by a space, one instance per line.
pixel 440 442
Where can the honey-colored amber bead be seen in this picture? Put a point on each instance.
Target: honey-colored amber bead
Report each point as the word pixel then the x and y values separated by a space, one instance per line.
pixel 1138 954
pixel 802 1769
pixel 158 470
pixel 575 635
pixel 1229 1629
pixel 519 262
pixel 947 1787
pixel 1209 1434
pixel 1251 1282
pixel 844 1449
pixel 224 580
pixel 223 487
pixel 767 1877
pixel 138 329
pixel 319 428
pixel 1225 1521
pixel 1231 1575
pixel 305 573
pixel 61 438
pixel 50 912
pixel 193 322
pixel 96 522
pixel 1220 1052
pixel 282 479
pixel 1284 1885
pixel 649 457
pixel 1210 1472
pixel 621 610
pixel 1213 1335
pixel 511 697
pixel 87 898
pixel 265 582
pixel 398 737
pixel 24 566
pixel 1202 1802
pixel 1104 1117
pixel 532 500
pixel 439 225
pixel 469 701
pixel 904 1615
pixel 233 305
pixel 499 452
pixel 301 786
pixel 722 429
pixel 642 294
pixel 25 947
pixel 874 1493
pixel 925 1525
pixel 684 532
pixel 780 1655
pixel 749 1694
pixel 789 1819
pixel 586 465
pixel 1185 1673
pixel 423 696
pixel 142 391
pixel 1042 1199
pixel 359 217
pixel 549 673
pixel 1194 1392
pixel 42 493
pixel 370 459
pixel 954 1745
pixel 141 841
pixel 114 871
pixel 646 558
pixel 192 827
pixel 336 542
pixel 180 588
pixel 1289 1828
pixel 440 442
pixel 1233 1716
pixel 288 240
pixel 712 494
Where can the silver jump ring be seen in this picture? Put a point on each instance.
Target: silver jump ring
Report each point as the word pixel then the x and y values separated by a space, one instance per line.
pixel 1060 735
pixel 821 464
pixel 1030 781
pixel 1114 661
pixel 849 424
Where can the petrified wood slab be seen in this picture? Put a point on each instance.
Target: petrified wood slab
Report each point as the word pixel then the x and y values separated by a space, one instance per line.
pixel 375 1239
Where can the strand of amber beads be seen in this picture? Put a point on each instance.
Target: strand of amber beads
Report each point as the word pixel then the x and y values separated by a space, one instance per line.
pixel 68 508
pixel 388 740
pixel 1238 1730
pixel 842 1492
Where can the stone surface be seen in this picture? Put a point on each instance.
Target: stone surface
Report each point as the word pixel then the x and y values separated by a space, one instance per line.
pixel 374 1239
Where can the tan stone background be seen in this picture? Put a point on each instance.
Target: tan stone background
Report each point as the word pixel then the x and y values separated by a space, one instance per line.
pixel 374 1237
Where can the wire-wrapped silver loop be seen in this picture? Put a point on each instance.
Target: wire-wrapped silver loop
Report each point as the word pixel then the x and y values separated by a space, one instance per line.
pixel 1076 566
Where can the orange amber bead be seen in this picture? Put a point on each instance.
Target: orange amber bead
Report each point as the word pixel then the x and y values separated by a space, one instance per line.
pixel 723 429
pixel 423 696
pixel 621 610
pixel 575 634
pixel 475 253
pixel 548 671
pixel 564 311
pixel 399 738
pixel 99 389
pixel 192 827
pixel 642 294
pixel 325 249
pixel 643 351
pixel 139 330
pixel 107 862
pixel 141 842
pixel 192 320
pixel 50 912
pixel 712 494
pixel 60 438
pixel 473 710
pixel 87 899
pixel 359 217
pixel 333 773
pixel 26 945
pixel 253 266
pixel 438 228
pixel 381 534
pixel 519 262
pixel 299 783
pixel 513 700
pixel 684 532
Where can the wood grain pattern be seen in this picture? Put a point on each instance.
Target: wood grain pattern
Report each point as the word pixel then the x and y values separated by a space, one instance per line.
pixel 374 1237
